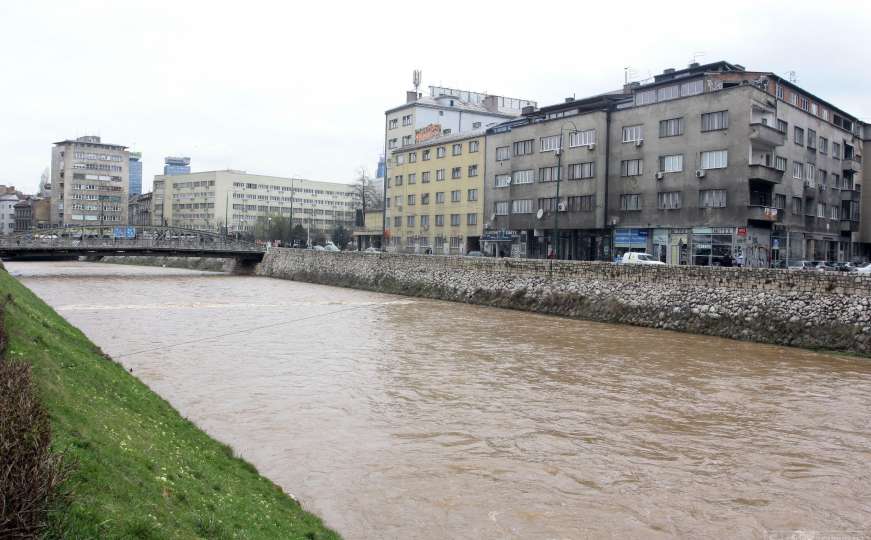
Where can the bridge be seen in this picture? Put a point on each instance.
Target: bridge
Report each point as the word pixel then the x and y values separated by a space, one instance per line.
pixel 127 241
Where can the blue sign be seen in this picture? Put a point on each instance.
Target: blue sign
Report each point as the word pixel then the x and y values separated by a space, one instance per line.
pixel 124 232
pixel 631 237
pixel 498 236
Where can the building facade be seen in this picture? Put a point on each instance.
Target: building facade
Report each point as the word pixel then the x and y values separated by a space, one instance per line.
pixel 7 212
pixel 435 195
pixel 139 209
pixel 710 165
pixel 213 200
pixel 173 165
pixel 135 172
pixel 90 183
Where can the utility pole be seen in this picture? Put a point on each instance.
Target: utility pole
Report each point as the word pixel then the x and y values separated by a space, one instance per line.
pixel 559 155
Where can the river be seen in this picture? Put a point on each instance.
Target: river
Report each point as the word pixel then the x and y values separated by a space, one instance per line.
pixel 395 417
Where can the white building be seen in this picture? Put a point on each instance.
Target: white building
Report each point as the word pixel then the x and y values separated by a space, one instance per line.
pixel 7 212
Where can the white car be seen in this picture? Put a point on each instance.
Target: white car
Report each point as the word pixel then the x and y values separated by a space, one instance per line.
pixel 864 269
pixel 639 258
pixel 330 247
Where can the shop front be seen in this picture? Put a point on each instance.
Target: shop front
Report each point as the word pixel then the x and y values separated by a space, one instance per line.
pixel 630 240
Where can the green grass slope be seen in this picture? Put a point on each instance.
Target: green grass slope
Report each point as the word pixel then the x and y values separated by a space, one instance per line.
pixel 142 470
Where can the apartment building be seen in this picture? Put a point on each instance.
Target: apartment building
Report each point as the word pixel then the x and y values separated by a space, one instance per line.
pixel 139 209
pixel 706 165
pixel 32 213
pixel 7 212
pixel 212 200
pixel 435 195
pixel 90 181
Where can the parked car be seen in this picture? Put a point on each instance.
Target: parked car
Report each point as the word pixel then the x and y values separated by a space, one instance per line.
pixel 474 254
pixel 809 266
pixel 639 258
pixel 864 269
pixel 329 246
pixel 371 249
pixel 319 248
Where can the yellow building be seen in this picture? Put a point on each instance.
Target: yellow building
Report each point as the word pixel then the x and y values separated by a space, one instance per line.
pixel 435 195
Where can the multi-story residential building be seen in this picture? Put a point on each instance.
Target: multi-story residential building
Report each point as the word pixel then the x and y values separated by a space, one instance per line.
pixel 90 182
pixel 135 172
pixel 139 209
pixel 435 195
pixel 173 165
pixel 7 212
pixel 212 200
pixel 445 111
pixel 706 165
pixel 24 215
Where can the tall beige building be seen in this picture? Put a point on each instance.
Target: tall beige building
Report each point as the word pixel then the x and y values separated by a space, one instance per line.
pixel 90 183
pixel 212 199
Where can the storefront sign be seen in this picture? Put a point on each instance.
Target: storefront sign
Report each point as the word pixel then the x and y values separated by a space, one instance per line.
pixel 428 132
pixel 742 231
pixel 499 236
pixel 631 237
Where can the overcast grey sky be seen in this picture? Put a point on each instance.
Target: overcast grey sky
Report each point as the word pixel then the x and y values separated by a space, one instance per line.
pixel 287 88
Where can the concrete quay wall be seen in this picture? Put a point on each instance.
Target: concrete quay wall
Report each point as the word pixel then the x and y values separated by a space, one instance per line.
pixel 803 309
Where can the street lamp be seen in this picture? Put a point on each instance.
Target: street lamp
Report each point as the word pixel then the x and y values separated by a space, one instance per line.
pixel 559 174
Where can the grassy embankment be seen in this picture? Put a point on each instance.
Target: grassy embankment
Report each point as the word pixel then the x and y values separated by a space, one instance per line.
pixel 142 471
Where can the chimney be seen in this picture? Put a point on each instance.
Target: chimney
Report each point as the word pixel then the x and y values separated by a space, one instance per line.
pixel 569 99
pixel 529 109
pixel 629 87
pixel 694 65
pixel 410 96
pixel 491 103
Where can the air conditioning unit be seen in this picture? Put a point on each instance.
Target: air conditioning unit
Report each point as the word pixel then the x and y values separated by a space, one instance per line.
pixel 591 146
pixel 562 207
pixel 639 142
pixel 700 173
pixel 659 176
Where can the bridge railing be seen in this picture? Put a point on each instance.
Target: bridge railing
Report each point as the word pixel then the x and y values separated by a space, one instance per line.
pixel 147 237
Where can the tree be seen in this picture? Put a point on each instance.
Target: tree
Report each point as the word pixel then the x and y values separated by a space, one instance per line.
pixel 364 192
pixel 341 236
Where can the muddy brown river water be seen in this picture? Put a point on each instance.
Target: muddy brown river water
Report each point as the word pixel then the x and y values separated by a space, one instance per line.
pixel 394 417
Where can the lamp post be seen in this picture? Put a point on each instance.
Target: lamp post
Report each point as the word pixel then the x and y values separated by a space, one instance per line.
pixel 559 174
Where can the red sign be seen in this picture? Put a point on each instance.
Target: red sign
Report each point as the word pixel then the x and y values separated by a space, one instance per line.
pixel 742 231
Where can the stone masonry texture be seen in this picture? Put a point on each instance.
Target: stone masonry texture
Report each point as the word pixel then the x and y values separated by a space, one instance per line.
pixel 803 309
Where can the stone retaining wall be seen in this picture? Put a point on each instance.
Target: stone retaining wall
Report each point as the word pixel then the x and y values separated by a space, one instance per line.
pixel 803 309
pixel 191 263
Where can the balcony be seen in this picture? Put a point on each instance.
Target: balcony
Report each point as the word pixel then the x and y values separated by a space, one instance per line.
pixel 766 135
pixel 849 226
pixel 764 213
pixel 765 173
pixel 851 165
pixel 851 195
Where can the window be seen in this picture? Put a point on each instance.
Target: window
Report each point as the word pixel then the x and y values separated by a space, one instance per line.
pixel 392 143
pixel 804 103
pixel 811 139
pixel 397 221
pixel 579 171
pixel 782 126
pixel 836 150
pixel 796 206
pixel 457 149
pixel 712 198
pixel 440 152
pixel 630 201
pixel 668 92
pixel 645 97
pixel 582 203
pixel 547 204
pixel 471 219
pixel 715 120
pixel 779 201
pixel 797 169
pixel 424 177
pixel 692 88
pixel 778 91
pixel 409 221
pixel 473 171
pixel 821 210
pixel 407 140
pixel 424 198
pixel 440 197
pixel 548 174
pixel 393 124
pixel 824 145
pixel 715 159
pixel 669 164
pixel 836 180
pixel 631 167
pixel 455 220
pixel 440 175
pixel 456 172
pixel 425 156
pixel 549 144
pixel 406 120
pixel 501 208
pixel 835 212
pixel 522 177
pixel 472 195
pixel 780 163
pixel 502 180
pixel 412 157
pixel 502 153
pixel 810 174
pixel 671 127
pixel 633 133
pixel 794 99
pixel 456 195
pixel 523 147
pixel 822 177
pixel 424 221
pixel 475 125
pixel 411 199
pixel 473 145
pixel 397 181
pixel 439 220
pixel 668 200
pixel 521 206
pixel 412 178
pixel 799 136
pixel 582 138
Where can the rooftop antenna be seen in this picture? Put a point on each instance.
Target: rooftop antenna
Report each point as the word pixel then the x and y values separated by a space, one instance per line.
pixel 415 78
pixel 696 56
pixel 792 76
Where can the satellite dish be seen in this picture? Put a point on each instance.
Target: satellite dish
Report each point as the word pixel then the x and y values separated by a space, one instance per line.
pixel 540 213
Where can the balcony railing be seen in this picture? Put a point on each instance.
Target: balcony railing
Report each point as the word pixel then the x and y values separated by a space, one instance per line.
pixel 849 225
pixel 851 195
pixel 757 171
pixel 851 165
pixel 764 213
pixel 766 135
